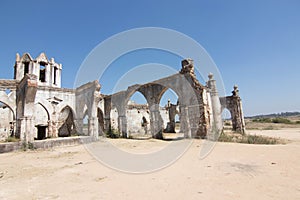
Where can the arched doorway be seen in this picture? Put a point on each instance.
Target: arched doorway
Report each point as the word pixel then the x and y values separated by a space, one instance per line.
pixel 169 111
pixel 137 115
pixel 227 120
pixel 7 122
pixel 66 123
pixel 41 116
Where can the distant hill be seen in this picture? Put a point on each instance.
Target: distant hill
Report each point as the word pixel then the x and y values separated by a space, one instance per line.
pixel 282 114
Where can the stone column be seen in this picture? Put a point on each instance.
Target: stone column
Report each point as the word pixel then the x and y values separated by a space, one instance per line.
pixel 243 125
pixel 217 123
pixel 238 117
pixel 26 129
pixel 19 71
pixel 184 122
pixel 156 122
pixel 107 110
pixel 58 76
pixel 196 121
pixel 79 126
pixel 50 133
pixel 48 74
pixel 122 123
pixel 93 127
pixel 52 129
pixel 36 69
pixel 107 124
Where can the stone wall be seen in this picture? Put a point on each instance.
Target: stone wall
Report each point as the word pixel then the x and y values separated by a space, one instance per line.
pixel 6 119
pixel 36 105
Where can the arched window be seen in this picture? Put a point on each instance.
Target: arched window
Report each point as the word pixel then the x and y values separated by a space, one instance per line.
pixel 42 72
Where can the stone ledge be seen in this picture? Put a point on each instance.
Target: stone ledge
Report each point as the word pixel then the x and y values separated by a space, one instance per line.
pixel 48 143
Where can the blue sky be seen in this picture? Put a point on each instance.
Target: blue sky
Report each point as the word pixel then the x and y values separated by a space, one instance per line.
pixel 255 44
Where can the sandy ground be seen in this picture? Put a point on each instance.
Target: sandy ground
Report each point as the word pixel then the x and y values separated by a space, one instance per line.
pixel 230 171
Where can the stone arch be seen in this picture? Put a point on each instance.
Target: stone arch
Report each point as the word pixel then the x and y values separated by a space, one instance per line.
pixel 234 105
pixel 137 116
pixel 65 123
pixel 7 121
pixel 26 57
pixel 41 118
pixel 187 107
pixel 9 101
pixel 226 124
pixel 168 110
pixel 46 109
pixel 10 108
pixel 177 92
pixel 62 105
pixel 46 105
pixel 131 91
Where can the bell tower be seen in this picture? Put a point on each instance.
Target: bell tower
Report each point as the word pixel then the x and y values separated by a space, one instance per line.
pixel 47 71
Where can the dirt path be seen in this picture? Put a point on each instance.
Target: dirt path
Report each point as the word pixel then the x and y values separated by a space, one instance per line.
pixel 230 171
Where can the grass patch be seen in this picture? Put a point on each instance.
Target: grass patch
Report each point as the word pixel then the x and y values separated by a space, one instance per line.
pixel 12 139
pixel 28 146
pixel 277 120
pixel 248 139
pixel 227 124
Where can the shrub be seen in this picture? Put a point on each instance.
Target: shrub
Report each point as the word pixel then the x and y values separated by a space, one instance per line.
pixel 281 120
pixel 276 120
pixel 227 124
pixel 258 139
pixel 28 145
pixel 248 139
pixel 262 120
pixel 112 133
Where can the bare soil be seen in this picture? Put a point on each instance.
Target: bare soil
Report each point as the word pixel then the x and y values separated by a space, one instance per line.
pixel 230 171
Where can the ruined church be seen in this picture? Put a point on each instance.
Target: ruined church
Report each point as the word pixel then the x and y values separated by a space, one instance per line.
pixel 34 106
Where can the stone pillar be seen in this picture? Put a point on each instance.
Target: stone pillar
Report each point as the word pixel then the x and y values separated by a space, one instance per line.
pixel 50 133
pixel 36 69
pixel 172 113
pixel 107 110
pixel 26 129
pixel 184 122
pixel 19 71
pixel 122 123
pixel 238 122
pixel 52 129
pixel 58 76
pixel 217 123
pixel 156 122
pixel 79 125
pixel 195 121
pixel 30 67
pixel 48 75
pixel 107 124
pixel 93 127
pixel 243 125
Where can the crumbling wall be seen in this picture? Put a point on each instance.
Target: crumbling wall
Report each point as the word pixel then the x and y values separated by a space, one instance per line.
pixel 234 104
